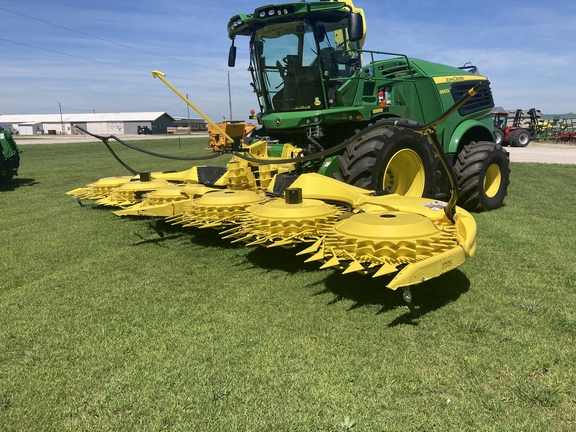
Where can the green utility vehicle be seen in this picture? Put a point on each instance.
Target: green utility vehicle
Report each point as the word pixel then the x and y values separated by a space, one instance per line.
pixel 319 90
pixel 9 155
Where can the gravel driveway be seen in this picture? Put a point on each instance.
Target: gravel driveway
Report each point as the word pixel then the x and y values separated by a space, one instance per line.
pixel 544 153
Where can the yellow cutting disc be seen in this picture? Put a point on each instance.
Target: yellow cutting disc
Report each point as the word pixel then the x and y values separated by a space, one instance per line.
pixel 382 242
pixel 167 201
pixel 160 202
pixel 217 209
pixel 131 192
pixel 277 223
pixel 100 188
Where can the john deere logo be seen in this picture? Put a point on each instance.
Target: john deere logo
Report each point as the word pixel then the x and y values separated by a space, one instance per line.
pixel 277 122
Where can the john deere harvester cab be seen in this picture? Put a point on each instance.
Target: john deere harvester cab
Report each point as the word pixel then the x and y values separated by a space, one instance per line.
pixel 9 155
pixel 316 87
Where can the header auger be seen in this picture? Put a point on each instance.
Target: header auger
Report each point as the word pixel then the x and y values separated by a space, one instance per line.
pixel 359 161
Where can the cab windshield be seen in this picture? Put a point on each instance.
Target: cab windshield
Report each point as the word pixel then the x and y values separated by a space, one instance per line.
pixel 298 64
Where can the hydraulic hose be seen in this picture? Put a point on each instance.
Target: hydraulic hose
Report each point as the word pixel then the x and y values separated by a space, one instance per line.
pixel 105 140
pixel 426 129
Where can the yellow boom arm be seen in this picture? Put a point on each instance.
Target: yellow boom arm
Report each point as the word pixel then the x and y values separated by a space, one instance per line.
pixel 160 75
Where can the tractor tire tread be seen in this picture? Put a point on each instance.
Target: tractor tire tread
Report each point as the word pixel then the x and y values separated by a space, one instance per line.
pixel 519 137
pixel 360 164
pixel 470 167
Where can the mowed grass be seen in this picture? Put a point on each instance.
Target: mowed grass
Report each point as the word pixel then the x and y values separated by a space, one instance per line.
pixel 104 325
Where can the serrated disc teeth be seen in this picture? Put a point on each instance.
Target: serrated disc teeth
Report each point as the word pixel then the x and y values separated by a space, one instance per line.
pixel 100 188
pixel 218 209
pixel 379 242
pixel 276 223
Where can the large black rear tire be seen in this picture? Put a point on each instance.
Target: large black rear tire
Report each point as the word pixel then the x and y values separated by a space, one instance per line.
pixel 393 159
pixel 483 172
pixel 519 137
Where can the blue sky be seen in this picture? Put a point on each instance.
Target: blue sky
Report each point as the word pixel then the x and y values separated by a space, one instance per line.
pixel 97 56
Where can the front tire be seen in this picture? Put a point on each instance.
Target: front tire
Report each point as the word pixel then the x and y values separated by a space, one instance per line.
pixel 393 159
pixel 483 172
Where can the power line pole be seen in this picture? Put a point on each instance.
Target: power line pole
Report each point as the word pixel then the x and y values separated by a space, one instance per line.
pixel 61 121
pixel 188 106
pixel 230 96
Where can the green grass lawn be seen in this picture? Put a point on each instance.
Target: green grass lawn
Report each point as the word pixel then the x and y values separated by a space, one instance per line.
pixel 104 325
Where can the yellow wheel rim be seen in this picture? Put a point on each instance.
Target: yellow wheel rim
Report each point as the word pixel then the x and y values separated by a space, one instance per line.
pixel 492 180
pixel 404 174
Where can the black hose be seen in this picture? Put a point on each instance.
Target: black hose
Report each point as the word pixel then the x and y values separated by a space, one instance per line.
pixel 151 153
pixel 391 122
pixel 125 165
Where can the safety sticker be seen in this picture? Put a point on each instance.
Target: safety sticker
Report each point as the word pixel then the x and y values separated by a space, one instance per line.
pixel 436 205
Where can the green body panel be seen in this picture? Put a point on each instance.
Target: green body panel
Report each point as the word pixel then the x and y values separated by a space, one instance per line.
pixel 9 155
pixel 480 128
pixel 329 166
pixel 300 119
pixel 418 98
pixel 275 150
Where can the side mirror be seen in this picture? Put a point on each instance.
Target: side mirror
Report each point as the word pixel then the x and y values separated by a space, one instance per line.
pixel 232 56
pixel 355 27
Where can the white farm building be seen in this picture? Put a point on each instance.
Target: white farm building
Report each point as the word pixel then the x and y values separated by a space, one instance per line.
pixel 97 123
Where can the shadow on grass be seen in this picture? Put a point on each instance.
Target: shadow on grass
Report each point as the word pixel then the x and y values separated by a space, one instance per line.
pixel 278 258
pixel 364 290
pixel 160 231
pixel 154 238
pixel 208 237
pixel 428 296
pixel 92 205
pixel 16 183
pixel 205 237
